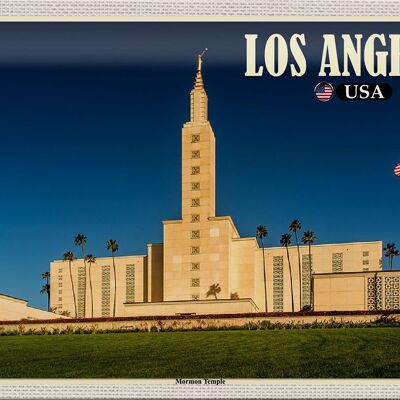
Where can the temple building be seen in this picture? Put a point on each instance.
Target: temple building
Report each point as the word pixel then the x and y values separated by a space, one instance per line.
pixel 204 266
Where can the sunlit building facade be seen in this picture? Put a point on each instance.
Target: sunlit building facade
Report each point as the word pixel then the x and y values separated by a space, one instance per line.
pixel 204 266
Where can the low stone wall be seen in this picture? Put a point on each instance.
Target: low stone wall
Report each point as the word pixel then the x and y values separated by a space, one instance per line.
pixel 178 323
pixel 191 307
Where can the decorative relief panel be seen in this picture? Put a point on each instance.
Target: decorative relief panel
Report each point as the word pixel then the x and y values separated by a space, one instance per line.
pixel 392 292
pixel 195 282
pixel 195 138
pixel 195 218
pixel 195 202
pixel 195 267
pixel 60 284
pixel 105 290
pixel 130 283
pixel 337 262
pixel 195 235
pixel 81 292
pixel 277 280
pixel 374 293
pixel 195 170
pixel 195 250
pixel 305 280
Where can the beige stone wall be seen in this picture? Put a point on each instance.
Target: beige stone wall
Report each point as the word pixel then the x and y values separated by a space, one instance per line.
pixel 243 274
pixel 191 307
pixel 322 256
pixel 155 275
pixel 345 292
pixel 378 290
pixel 210 266
pixel 234 263
pixel 16 309
pixel 102 278
pixel 198 167
pixel 354 257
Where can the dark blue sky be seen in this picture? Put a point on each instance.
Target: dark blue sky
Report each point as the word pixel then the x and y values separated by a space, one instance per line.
pixel 91 118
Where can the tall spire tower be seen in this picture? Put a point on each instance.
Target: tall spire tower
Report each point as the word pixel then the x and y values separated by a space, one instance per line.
pixel 198 156
pixel 198 96
pixel 191 246
pixel 194 255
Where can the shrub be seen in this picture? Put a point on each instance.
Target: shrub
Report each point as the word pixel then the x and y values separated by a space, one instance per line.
pixel 266 325
pixel 251 325
pixel 387 320
pixel 153 328
pixel 67 331
pixel 21 329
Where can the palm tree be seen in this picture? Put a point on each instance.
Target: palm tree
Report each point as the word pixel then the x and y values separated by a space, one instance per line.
pixel 309 238
pixel 112 245
pixel 46 287
pixel 69 256
pixel 90 259
pixel 80 240
pixel 286 242
pixel 214 290
pixel 390 252
pixel 261 233
pixel 295 226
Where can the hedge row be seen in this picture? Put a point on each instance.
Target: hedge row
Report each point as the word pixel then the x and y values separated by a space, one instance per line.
pixel 382 321
pixel 203 316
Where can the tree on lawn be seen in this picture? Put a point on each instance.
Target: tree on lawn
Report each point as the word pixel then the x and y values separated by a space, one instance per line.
pixel 295 227
pixel 261 233
pixel 69 256
pixel 309 238
pixel 286 242
pixel 80 240
pixel 391 252
pixel 46 288
pixel 112 246
pixel 90 259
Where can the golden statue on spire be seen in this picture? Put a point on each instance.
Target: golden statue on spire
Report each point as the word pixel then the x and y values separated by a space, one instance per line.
pixel 200 59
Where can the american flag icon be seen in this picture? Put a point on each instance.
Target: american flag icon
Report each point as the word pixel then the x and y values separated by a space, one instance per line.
pixel 397 170
pixel 323 91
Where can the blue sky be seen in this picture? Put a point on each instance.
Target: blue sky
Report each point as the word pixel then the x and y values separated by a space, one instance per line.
pixel 91 118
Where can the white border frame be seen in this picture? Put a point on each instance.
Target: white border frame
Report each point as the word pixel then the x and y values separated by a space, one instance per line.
pixel 61 389
pixel 204 9
pixel 199 11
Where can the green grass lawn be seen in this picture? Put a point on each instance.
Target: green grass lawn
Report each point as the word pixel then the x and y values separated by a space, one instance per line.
pixel 319 353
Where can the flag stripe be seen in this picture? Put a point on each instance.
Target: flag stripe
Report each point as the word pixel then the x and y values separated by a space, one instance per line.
pixel 323 91
pixel 397 170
